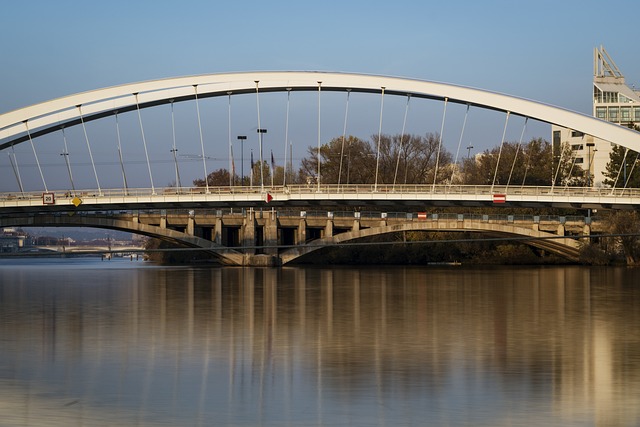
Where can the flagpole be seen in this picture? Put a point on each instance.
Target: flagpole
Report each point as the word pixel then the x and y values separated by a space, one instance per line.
pixel 273 168
pixel 251 173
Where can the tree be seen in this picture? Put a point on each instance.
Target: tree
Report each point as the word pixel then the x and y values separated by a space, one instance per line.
pixel 567 172
pixel 217 178
pixel 350 163
pixel 626 225
pixel 416 158
pixel 409 159
pixel 623 168
pixel 523 164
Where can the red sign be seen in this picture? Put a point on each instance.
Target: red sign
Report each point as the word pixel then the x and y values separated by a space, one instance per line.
pixel 499 198
pixel 422 215
pixel 268 198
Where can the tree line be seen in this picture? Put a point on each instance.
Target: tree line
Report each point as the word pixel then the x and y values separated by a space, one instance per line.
pixel 418 159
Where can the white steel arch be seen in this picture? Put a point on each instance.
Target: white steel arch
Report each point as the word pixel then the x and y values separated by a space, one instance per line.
pixel 49 116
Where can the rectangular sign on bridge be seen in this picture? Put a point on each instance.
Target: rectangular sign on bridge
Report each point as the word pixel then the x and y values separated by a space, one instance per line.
pixel 499 198
pixel 48 198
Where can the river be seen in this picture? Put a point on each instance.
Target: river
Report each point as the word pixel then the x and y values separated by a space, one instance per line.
pixel 85 342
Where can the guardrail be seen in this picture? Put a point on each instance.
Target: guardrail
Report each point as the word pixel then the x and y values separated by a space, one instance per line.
pixel 333 189
pixel 364 195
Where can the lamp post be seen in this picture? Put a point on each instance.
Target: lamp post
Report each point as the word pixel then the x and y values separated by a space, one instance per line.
pixel 261 131
pixel 469 147
pixel 589 145
pixel 241 138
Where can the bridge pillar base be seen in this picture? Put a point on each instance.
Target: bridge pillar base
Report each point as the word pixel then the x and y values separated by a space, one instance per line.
pixel 249 233
pixel 217 232
pixel 190 226
pixel 302 232
pixel 271 235
pixel 261 261
pixel 328 229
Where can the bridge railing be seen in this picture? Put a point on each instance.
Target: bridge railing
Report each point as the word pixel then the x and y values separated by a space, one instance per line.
pixel 381 190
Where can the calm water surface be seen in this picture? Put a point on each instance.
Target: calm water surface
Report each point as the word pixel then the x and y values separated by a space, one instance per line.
pixel 91 343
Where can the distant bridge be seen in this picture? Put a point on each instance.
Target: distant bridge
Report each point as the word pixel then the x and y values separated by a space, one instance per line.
pixel 270 237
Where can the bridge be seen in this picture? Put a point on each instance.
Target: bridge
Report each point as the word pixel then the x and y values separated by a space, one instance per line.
pixel 275 237
pixel 43 195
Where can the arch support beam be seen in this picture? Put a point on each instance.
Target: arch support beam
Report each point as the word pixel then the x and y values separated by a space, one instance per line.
pixel 564 247
pixel 48 116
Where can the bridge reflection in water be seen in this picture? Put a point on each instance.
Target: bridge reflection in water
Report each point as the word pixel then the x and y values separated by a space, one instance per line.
pixel 154 346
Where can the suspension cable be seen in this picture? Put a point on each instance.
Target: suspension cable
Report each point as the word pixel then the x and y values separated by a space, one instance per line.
pixel 375 185
pixel 204 158
pixel 504 133
pixel 573 163
pixel 319 116
pixel 231 164
pixel 286 139
pixel 86 138
pixel 174 148
pixel 67 161
pixel 344 134
pixel 526 167
pixel 635 162
pixel 16 169
pixel 515 157
pixel 401 144
pixel 124 175
pixel 555 178
pixel 464 124
pixel 33 148
pixel 435 174
pixel 144 143
pixel 259 137
pixel 624 160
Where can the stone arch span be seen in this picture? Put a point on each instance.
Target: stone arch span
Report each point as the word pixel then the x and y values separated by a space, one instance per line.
pixel 225 255
pixel 562 246
pixel 50 116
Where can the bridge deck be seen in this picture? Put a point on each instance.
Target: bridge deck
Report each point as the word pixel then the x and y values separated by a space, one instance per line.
pixel 326 195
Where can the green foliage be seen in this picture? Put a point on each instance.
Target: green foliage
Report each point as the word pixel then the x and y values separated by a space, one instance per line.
pixel 217 178
pixel 523 164
pixel 220 177
pixel 623 168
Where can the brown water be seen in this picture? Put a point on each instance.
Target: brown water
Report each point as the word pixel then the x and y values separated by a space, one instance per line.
pixel 90 343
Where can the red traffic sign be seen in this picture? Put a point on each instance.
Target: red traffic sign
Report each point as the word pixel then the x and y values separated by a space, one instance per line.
pixel 499 198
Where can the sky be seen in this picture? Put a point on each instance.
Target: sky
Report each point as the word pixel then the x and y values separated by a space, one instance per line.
pixel 541 50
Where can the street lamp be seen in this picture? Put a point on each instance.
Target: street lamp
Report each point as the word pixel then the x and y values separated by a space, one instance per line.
pixel 589 145
pixel 241 138
pixel 260 133
pixel 469 147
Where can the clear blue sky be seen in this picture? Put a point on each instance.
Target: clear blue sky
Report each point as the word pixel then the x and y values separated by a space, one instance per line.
pixel 536 49
pixel 542 50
